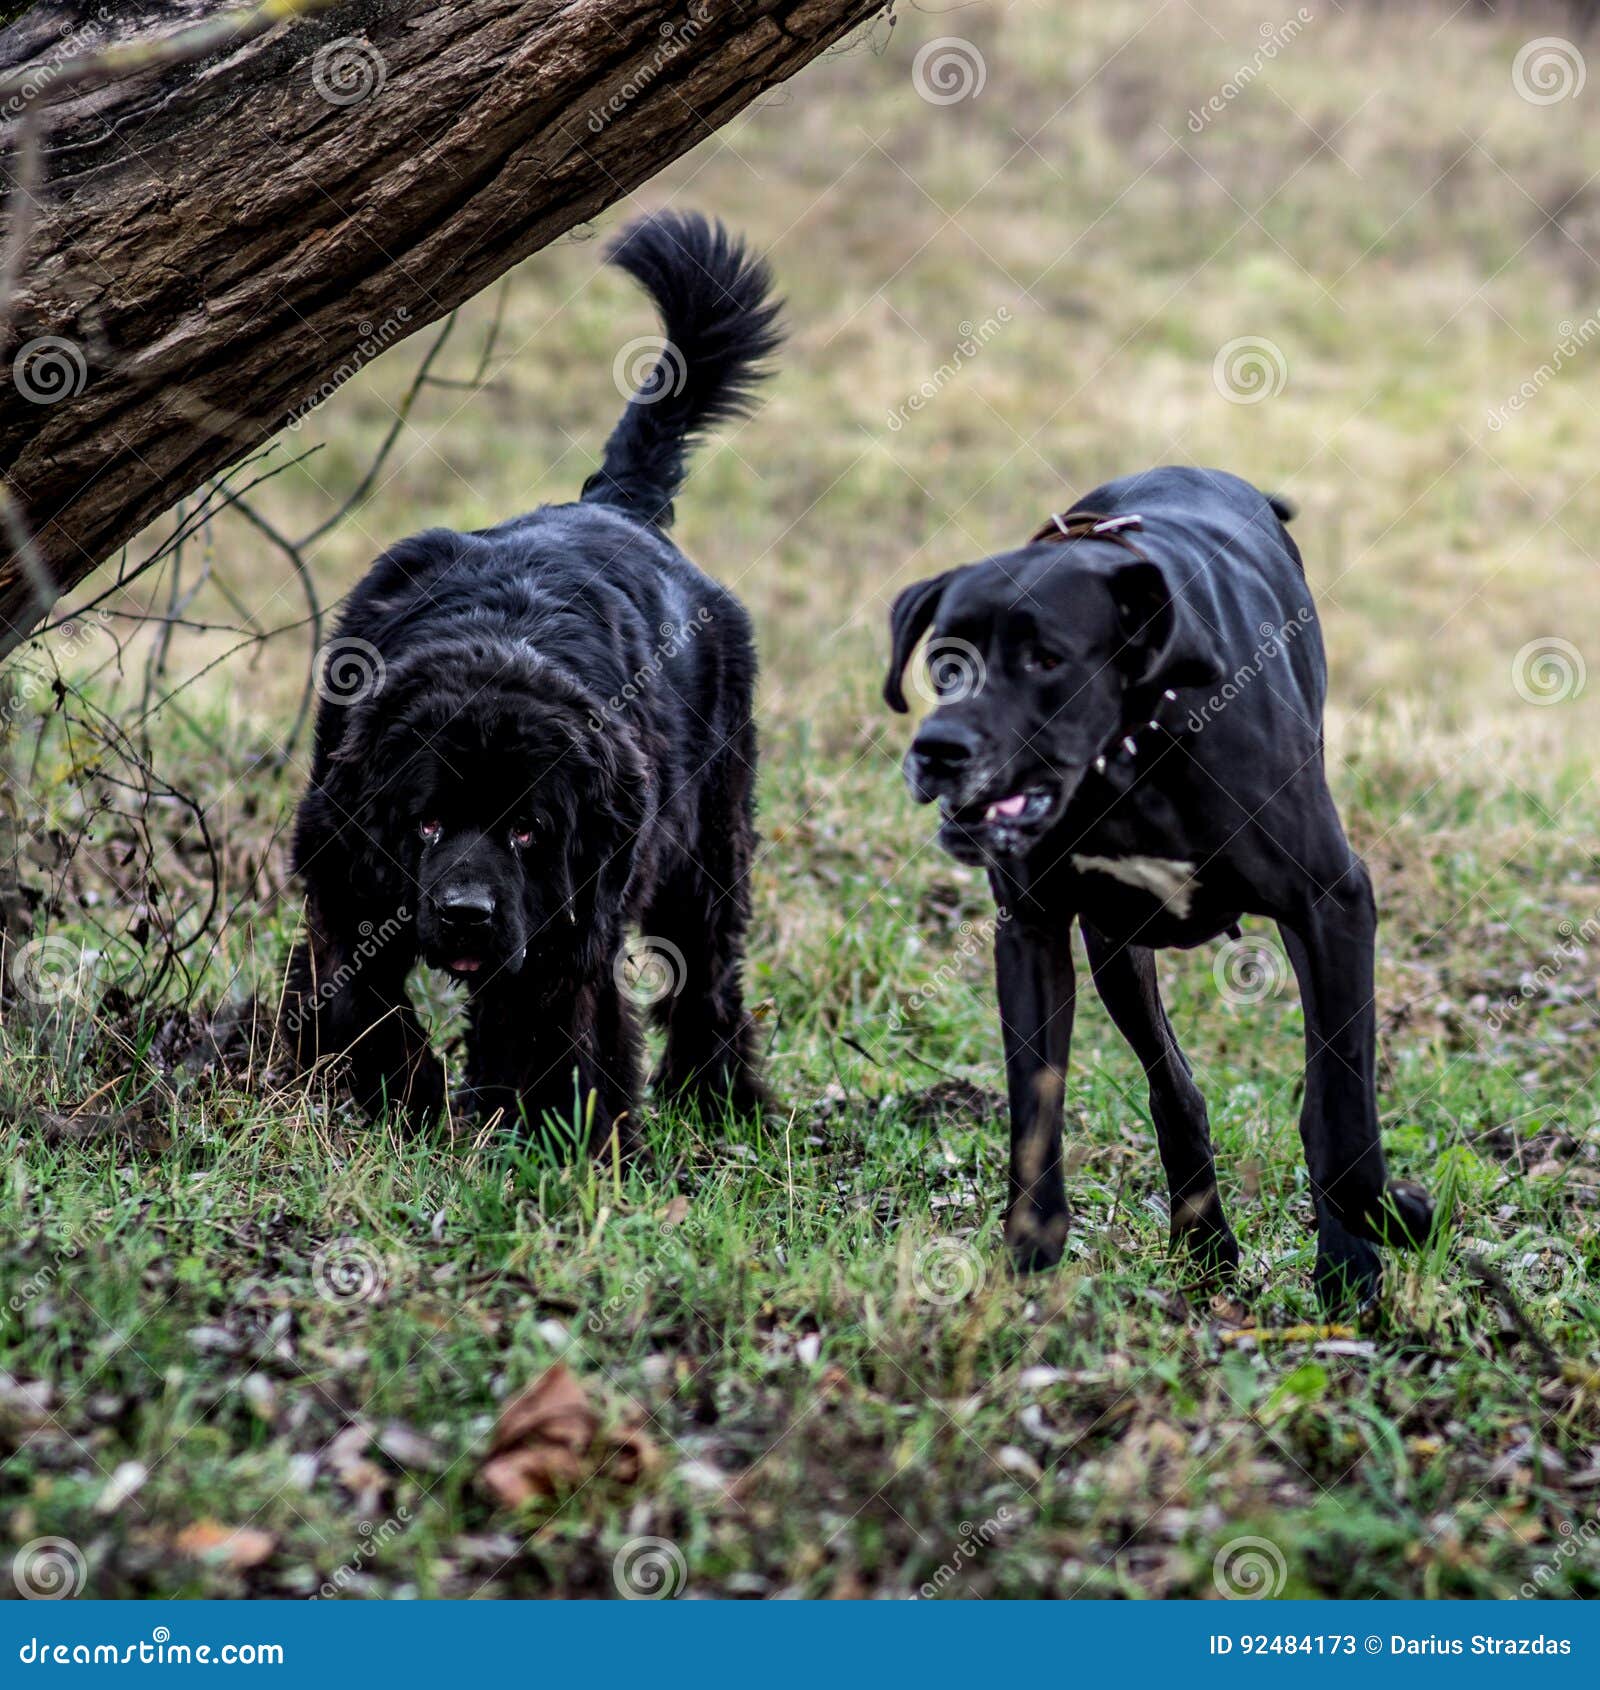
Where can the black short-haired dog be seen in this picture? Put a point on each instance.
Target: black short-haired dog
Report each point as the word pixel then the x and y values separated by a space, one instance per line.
pixel 1129 731
pixel 535 735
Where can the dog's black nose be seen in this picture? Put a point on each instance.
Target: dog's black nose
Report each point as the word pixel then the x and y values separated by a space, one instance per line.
pixel 466 906
pixel 945 744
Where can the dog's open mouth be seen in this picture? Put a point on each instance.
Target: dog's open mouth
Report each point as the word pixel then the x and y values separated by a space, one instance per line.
pixel 1020 807
pixel 1000 825
pixel 463 966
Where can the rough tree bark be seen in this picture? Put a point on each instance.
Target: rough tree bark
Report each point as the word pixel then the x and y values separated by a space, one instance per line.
pixel 215 244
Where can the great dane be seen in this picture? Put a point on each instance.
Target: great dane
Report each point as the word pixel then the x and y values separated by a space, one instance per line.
pixel 1129 732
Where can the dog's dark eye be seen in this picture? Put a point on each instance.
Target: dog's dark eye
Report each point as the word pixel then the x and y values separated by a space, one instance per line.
pixel 522 834
pixel 1040 662
pixel 430 831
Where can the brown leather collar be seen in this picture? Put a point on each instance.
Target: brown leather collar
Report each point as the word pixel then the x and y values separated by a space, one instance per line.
pixel 1089 525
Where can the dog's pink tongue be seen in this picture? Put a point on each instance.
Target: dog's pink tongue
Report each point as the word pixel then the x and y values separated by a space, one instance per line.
pixel 465 965
pixel 1013 806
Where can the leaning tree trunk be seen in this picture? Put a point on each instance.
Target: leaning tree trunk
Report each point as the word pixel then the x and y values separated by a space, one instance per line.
pixel 199 250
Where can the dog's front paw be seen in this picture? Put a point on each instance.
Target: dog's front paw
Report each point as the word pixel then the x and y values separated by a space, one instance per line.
pixel 1406 1215
pixel 1201 1232
pixel 1035 1242
pixel 1348 1276
pixel 1210 1247
pixel 1400 1216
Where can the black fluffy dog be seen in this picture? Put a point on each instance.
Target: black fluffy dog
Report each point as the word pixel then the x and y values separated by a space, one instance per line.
pixel 1130 732
pixel 550 740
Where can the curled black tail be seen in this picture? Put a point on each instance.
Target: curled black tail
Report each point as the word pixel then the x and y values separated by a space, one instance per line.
pixel 720 320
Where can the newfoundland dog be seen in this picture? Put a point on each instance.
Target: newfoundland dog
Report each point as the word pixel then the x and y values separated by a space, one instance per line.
pixel 549 740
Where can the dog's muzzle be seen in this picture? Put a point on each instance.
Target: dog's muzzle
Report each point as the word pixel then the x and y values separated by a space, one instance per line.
pixel 985 812
pixel 462 932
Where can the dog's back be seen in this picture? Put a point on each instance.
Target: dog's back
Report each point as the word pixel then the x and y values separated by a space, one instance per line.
pixel 1229 554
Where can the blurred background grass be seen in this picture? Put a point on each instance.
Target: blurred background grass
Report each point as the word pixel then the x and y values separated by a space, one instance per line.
pixel 1379 203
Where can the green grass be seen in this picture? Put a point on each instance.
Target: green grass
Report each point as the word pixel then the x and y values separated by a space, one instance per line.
pixel 846 1391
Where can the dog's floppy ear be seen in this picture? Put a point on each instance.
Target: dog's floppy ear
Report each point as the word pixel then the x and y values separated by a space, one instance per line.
pixel 1167 644
pixel 362 791
pixel 909 617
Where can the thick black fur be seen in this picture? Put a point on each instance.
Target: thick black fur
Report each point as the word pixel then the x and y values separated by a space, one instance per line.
pixel 548 739
pixel 1136 742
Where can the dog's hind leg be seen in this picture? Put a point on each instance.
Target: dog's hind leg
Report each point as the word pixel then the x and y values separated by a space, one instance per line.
pixel 347 997
pixel 1038 995
pixel 1331 942
pixel 701 911
pixel 1125 976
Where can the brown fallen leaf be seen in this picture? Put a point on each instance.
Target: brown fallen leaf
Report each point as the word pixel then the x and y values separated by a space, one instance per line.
pixel 134 1126
pixel 549 1439
pixel 235 1547
pixel 676 1212
pixel 346 1458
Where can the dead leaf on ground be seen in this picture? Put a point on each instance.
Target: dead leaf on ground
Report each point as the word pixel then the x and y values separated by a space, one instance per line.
pixel 346 1458
pixel 134 1125
pixel 676 1212
pixel 236 1547
pixel 549 1439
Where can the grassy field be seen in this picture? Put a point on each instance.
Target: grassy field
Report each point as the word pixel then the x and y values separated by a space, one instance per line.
pixel 249 1346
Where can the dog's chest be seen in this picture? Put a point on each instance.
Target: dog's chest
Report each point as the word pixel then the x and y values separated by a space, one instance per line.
pixel 1168 885
pixel 1145 900
pixel 1140 875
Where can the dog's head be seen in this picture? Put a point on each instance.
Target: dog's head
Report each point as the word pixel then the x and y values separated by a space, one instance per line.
pixel 1037 660
pixel 486 793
